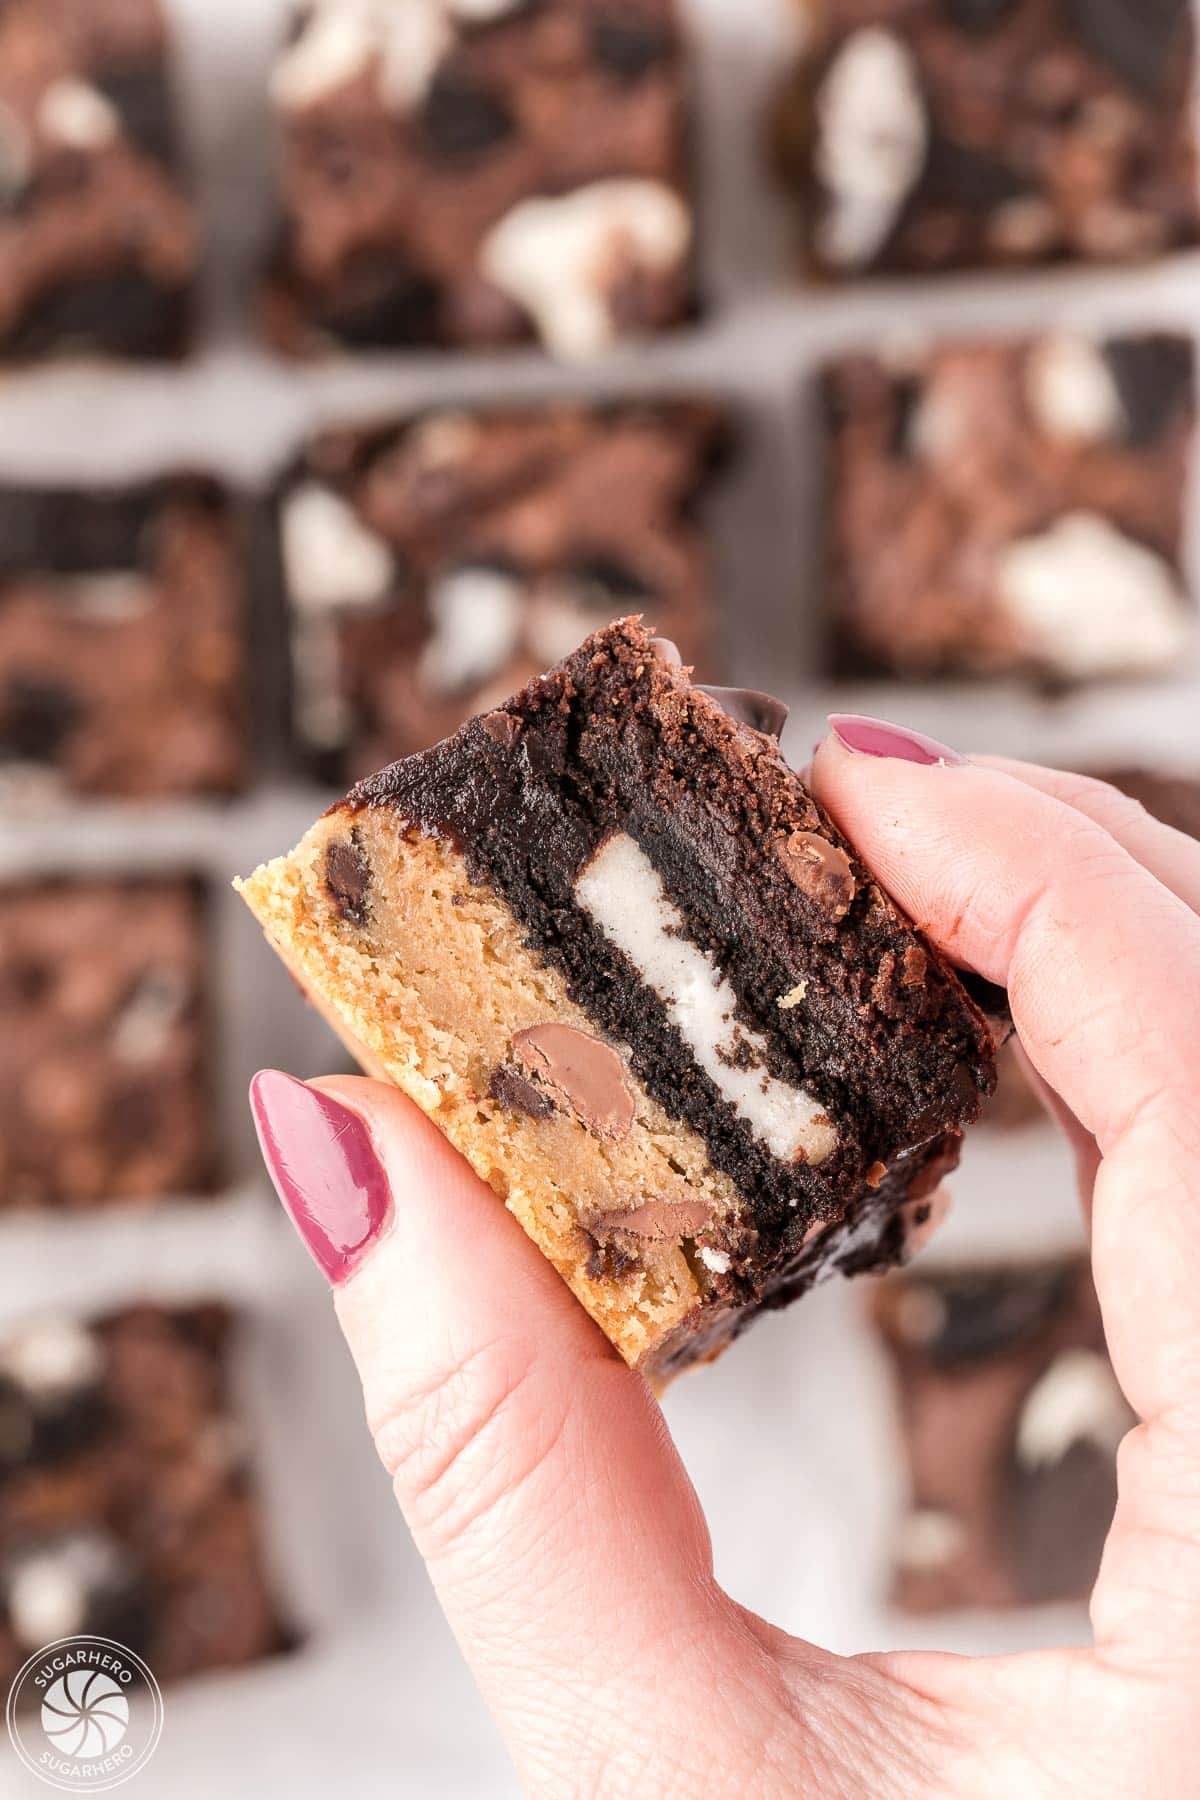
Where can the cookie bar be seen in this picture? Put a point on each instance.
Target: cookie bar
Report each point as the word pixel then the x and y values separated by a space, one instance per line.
pixel 605 938
pixel 925 135
pixel 1004 508
pixel 123 642
pixel 127 1509
pixel 460 173
pixel 104 1054
pixel 99 242
pixel 1011 1417
pixel 432 566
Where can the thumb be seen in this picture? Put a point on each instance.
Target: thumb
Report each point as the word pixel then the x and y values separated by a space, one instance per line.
pixel 534 1468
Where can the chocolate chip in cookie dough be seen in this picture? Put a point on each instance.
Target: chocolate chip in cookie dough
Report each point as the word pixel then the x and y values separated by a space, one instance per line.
pixel 348 879
pixel 460 119
pixel 516 1093
pixel 587 1073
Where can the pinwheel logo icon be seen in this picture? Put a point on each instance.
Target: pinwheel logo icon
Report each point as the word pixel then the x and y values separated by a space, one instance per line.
pixel 85 1712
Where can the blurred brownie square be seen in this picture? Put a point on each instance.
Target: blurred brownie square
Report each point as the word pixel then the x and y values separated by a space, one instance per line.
pixel 1011 1417
pixel 123 642
pixel 99 240
pixel 127 1508
pixel 104 1042
pixel 478 172
pixel 925 135
pixel 431 566
pixel 1011 508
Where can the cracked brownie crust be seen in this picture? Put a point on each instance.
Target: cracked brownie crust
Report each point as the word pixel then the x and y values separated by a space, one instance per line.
pixel 709 1035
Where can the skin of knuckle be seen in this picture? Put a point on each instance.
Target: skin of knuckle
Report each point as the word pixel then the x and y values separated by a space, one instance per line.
pixel 450 1433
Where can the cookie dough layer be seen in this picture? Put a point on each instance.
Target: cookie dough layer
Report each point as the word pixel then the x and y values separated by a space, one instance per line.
pixel 433 995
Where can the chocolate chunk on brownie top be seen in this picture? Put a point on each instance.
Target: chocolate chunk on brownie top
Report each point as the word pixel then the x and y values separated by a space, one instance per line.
pixel 99 240
pixel 105 1077
pixel 123 641
pixel 431 565
pixel 482 173
pixel 1011 1416
pixel 1012 507
pixel 922 135
pixel 608 941
pixel 127 1508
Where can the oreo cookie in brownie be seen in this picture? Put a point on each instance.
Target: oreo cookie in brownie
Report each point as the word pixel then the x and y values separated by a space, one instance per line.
pixel 925 135
pixel 1011 1417
pixel 609 943
pixel 478 172
pixel 123 642
pixel 105 1073
pixel 99 241
pixel 127 1508
pixel 432 565
pixel 1011 507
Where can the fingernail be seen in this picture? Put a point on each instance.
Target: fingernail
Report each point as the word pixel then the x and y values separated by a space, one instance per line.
pixel 875 737
pixel 320 1156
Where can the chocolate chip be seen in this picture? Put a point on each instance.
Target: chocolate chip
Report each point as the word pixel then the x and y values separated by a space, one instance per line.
pixel 978 15
pixel 504 728
pixel 1134 37
pixel 348 879
pixel 981 1316
pixel 516 1093
pixel 654 1220
pixel 36 719
pixel 1154 379
pixel 762 712
pixel 667 652
pixel 629 46
pixel 460 119
pixel 588 1074
pixel 611 1262
pixel 819 869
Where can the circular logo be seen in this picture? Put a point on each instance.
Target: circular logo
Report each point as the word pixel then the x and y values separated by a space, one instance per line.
pixel 85 1713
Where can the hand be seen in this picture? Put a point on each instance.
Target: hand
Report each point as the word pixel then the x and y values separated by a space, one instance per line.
pixel 535 1470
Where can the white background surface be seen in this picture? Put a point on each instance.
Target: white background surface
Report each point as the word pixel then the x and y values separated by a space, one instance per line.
pixel 789 1438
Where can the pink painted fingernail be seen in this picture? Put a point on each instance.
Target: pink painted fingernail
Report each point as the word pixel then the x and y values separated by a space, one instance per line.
pixel 875 737
pixel 325 1168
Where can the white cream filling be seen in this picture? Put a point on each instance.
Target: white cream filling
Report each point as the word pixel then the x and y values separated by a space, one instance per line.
pixel 622 891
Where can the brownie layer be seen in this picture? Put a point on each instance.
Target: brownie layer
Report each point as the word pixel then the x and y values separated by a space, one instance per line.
pixel 123 641
pixel 126 1504
pixel 833 1002
pixel 1011 1418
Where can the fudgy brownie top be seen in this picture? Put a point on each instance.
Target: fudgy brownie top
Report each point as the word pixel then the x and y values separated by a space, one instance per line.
pixel 934 134
pixel 433 565
pixel 617 751
pixel 122 640
pixel 125 1503
pixel 104 1070
pixel 1007 505
pixel 91 186
pixel 475 174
